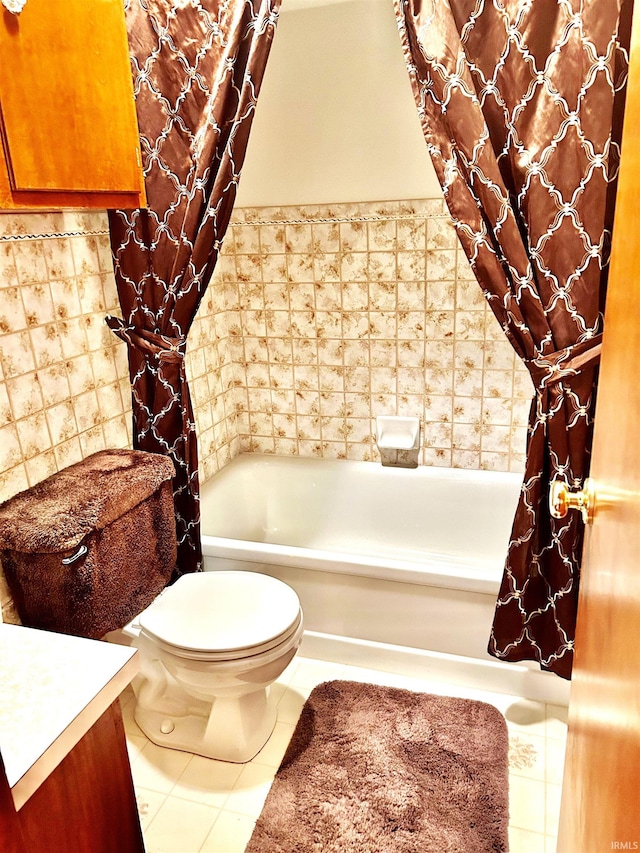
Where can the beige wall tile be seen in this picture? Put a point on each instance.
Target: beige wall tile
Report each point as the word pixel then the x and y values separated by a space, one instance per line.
pixel 10 452
pixel 356 298
pixel 6 415
pixel 12 481
pixel 86 258
pixel 41 466
pixel 12 313
pixel 58 258
pixel 55 348
pixel 8 271
pixel 30 262
pixel 34 435
pixel 16 354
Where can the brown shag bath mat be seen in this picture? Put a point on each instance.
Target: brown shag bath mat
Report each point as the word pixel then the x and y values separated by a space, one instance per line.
pixel 381 770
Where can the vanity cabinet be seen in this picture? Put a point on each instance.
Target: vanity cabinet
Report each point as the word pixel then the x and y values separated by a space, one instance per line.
pixel 67 111
pixel 65 778
pixel 86 805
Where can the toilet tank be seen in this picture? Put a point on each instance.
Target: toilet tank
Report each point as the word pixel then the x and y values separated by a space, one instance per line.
pixel 91 546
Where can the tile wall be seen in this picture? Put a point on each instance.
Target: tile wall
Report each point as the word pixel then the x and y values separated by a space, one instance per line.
pixel 212 379
pixel 317 320
pixel 63 375
pixel 337 313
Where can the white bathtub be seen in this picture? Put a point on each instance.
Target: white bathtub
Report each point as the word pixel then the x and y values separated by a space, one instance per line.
pixel 387 562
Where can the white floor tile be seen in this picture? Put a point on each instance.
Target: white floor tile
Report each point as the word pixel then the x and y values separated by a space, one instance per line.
pixel 149 803
pixel 287 675
pixel 405 682
pixel 250 791
pixel 552 808
pixel 527 755
pixel 135 745
pixel 310 673
pixel 291 704
pixel 277 691
pixel 504 702
pixel 158 768
pixel 557 717
pixel 555 754
pixel 230 834
pixel 551 844
pixel 273 751
pixel 526 803
pixel 367 676
pixel 523 841
pixel 207 781
pixel 179 826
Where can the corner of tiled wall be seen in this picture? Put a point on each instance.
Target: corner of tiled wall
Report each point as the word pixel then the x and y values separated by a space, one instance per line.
pixel 210 371
pixel 64 381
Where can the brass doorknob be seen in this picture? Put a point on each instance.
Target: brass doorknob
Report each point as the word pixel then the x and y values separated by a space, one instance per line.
pixel 561 500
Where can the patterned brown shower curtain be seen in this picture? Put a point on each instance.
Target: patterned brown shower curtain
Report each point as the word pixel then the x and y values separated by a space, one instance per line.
pixel 516 102
pixel 197 67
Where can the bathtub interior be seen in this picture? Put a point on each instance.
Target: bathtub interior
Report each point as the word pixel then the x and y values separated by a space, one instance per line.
pixel 362 508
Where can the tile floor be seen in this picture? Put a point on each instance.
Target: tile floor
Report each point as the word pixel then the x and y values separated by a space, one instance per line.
pixel 190 804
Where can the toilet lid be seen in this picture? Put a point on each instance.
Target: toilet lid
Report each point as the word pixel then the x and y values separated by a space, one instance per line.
pixel 222 611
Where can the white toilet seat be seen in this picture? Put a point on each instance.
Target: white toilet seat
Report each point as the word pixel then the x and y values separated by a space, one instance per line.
pixel 222 616
pixel 248 654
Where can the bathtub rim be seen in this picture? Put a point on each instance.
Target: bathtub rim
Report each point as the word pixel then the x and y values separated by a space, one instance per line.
pixel 470 575
pixel 446 472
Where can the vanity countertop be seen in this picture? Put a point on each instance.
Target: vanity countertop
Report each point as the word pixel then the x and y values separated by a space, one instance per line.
pixel 53 688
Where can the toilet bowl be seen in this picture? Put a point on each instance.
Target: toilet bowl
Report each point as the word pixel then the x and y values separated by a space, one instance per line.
pixel 210 647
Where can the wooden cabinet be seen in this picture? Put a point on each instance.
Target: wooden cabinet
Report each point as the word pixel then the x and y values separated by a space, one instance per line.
pixel 65 779
pixel 67 112
pixel 87 805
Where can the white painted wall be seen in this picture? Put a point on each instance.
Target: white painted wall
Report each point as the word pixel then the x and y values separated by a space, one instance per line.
pixel 336 120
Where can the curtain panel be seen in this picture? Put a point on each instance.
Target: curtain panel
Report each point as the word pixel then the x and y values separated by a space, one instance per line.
pixel 516 101
pixel 197 69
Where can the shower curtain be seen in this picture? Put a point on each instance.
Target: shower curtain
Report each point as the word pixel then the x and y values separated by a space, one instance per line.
pixel 520 106
pixel 197 69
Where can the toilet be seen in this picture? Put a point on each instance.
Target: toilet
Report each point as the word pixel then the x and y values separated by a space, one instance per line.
pixel 210 647
pixel 93 545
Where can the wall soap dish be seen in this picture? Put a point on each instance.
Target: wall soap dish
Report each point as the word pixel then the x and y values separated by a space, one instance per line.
pixel 398 440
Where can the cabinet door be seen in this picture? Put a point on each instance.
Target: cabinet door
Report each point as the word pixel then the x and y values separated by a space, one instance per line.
pixel 66 97
pixel 11 838
pixel 86 805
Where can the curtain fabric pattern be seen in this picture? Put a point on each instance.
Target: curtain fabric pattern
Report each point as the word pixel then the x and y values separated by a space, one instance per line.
pixel 197 68
pixel 516 102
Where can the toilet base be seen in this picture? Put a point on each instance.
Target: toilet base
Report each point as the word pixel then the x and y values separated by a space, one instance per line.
pixel 235 729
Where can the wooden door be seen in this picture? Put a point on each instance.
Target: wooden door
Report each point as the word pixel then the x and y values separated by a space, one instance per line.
pixel 600 808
